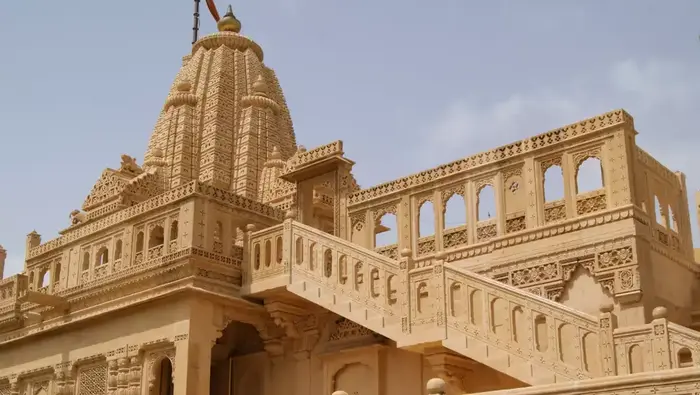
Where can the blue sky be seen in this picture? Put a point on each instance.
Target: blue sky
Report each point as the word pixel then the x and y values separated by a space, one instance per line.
pixel 406 84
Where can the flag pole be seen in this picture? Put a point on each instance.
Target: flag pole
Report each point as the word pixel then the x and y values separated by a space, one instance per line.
pixel 195 28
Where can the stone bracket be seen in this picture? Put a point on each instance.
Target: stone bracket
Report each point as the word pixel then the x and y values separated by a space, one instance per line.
pixel 450 366
pixel 45 300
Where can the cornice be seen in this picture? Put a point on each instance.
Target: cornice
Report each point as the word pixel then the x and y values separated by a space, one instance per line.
pixel 172 273
pixel 230 40
pixel 193 188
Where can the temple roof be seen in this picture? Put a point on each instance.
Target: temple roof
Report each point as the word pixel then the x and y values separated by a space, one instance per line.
pixel 223 116
pixel 224 119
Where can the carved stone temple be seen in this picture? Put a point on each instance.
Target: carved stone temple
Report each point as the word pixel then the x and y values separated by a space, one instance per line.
pixel 232 261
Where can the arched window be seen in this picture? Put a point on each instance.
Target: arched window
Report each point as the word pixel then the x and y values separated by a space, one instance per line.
pixel 45 278
pixel 102 256
pixel 155 236
pixel 165 378
pixel 118 250
pixel 139 242
pixel 57 273
pixel 86 260
pixel 173 230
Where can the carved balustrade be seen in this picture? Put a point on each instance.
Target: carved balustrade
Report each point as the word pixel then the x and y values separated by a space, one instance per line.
pixel 362 275
pixel 11 288
pixel 266 259
pixel 530 326
pixel 426 294
pixel 521 208
pixel 670 382
pixel 663 196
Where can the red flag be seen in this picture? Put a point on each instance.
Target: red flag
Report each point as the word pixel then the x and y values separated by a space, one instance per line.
pixel 212 10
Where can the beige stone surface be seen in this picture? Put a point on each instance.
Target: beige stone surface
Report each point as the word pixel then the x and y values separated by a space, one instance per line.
pixel 233 261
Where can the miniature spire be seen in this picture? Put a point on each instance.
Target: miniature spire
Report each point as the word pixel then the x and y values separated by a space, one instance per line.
pixel 275 154
pixel 229 23
pixel 3 256
pixel 259 86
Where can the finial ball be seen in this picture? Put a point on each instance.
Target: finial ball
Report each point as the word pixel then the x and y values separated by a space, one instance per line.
pixel 659 312
pixel 435 386
pixel 406 252
pixel 251 227
pixel 229 23
pixel 339 393
pixel 290 214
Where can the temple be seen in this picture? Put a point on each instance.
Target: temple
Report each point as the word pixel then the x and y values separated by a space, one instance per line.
pixel 233 261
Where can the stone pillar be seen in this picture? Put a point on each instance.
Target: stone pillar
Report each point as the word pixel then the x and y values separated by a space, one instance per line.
pixel 470 199
pixel 569 176
pixel 500 201
pixel 192 366
pixel 530 180
pixel 342 191
pixel 305 202
pixel 404 218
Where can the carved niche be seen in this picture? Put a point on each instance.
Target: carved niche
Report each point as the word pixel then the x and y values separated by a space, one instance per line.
pixel 612 265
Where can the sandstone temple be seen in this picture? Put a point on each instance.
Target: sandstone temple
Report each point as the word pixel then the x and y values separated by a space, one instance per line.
pixel 233 261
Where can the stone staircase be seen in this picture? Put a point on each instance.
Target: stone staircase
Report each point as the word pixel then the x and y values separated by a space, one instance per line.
pixel 530 338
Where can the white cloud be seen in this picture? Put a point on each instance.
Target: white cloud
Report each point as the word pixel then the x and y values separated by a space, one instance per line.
pixel 661 95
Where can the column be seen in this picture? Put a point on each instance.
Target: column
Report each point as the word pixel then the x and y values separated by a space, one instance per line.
pixel 193 355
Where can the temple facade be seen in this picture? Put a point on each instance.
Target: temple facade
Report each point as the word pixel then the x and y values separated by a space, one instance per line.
pixel 233 261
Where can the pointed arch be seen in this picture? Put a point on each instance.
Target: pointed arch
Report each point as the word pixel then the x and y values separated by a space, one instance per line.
pixel 486 203
pixel 426 219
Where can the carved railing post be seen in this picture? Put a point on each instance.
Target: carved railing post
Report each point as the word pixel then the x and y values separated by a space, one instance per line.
pixel 248 258
pixel 405 265
pixel 288 240
pixel 435 386
pixel 439 288
pixel 660 343
pixel 606 325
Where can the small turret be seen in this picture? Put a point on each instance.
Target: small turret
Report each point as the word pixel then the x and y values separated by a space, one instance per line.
pixel 3 256
pixel 33 240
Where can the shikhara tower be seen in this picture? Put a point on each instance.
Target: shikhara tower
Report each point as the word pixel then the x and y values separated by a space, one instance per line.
pixel 234 262
pixel 224 116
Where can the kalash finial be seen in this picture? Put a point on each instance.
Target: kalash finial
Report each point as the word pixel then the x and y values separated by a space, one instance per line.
pixel 229 23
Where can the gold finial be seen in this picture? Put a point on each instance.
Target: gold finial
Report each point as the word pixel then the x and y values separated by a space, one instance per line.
pixel 229 23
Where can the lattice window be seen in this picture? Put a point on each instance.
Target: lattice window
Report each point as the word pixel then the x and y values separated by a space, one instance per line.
pixel 93 380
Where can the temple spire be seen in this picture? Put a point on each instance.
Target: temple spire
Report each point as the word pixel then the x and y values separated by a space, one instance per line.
pixel 229 23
